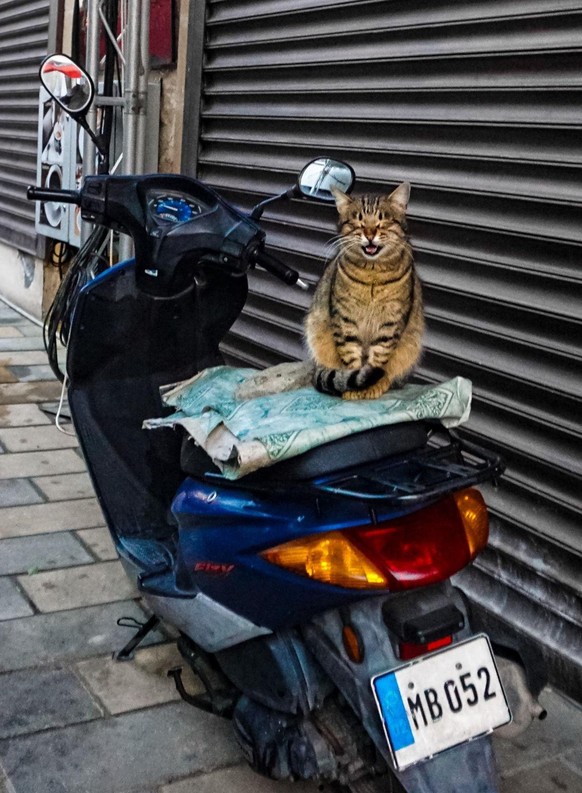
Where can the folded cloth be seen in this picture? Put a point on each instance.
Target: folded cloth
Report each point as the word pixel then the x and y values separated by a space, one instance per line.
pixel 243 435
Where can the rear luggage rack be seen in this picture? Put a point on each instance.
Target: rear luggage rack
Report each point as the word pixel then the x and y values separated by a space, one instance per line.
pixel 426 473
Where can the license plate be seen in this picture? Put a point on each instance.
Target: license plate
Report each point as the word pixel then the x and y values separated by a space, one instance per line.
pixel 440 701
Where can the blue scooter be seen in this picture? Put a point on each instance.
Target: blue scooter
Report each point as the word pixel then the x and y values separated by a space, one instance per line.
pixel 313 598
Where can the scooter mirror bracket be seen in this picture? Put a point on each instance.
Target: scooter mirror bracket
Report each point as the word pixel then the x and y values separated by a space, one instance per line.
pixel 258 210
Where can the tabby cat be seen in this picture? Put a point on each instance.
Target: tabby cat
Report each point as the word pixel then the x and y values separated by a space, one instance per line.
pixel 364 328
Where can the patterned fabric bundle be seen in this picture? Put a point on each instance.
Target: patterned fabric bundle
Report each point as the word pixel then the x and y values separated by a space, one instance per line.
pixel 243 435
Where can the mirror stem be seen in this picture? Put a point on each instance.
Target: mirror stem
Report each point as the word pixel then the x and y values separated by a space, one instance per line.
pixel 258 210
pixel 100 144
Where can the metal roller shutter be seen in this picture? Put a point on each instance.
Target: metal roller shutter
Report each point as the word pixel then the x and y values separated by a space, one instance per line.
pixel 478 105
pixel 24 26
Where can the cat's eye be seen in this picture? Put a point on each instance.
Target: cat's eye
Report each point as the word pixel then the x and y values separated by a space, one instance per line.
pixel 380 216
pixel 360 216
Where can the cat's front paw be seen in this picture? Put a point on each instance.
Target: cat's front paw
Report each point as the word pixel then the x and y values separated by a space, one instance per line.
pixel 373 392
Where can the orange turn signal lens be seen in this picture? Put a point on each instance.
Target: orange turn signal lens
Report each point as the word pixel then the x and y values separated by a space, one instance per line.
pixel 328 557
pixel 473 512
pixel 353 644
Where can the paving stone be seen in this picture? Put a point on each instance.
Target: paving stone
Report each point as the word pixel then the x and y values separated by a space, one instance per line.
pixel 550 777
pixel 17 320
pixel 65 486
pixel 12 323
pixel 10 316
pixel 68 635
pixel 238 779
pixel 41 391
pixel 10 332
pixel 4 784
pixel 6 376
pixel 22 416
pixel 84 513
pixel 139 683
pixel 14 492
pixel 99 542
pixel 13 604
pixel 559 733
pixel 130 751
pixel 24 343
pixel 28 464
pixel 30 374
pixel 22 357
pixel 7 311
pixel 75 587
pixel 35 439
pixel 38 699
pixel 573 759
pixel 41 552
pixel 30 329
pixel 133 790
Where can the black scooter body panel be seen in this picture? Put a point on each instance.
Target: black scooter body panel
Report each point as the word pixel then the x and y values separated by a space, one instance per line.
pixel 124 345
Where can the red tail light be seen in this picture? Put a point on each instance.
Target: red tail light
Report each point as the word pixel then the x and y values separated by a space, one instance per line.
pixel 427 546
pixel 409 650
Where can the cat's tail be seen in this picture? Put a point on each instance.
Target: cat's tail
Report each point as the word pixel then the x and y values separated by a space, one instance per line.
pixel 338 381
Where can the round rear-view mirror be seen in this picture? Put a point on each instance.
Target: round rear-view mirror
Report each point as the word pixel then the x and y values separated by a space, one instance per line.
pixel 319 176
pixel 67 83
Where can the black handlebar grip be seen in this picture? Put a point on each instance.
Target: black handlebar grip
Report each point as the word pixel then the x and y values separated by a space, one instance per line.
pixel 46 194
pixel 277 268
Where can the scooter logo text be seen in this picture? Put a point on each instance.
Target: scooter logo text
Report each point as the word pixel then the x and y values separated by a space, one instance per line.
pixel 213 568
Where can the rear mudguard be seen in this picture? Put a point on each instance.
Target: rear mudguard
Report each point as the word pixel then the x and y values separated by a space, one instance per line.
pixel 465 769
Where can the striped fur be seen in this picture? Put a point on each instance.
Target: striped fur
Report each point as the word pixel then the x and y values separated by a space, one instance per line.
pixel 364 328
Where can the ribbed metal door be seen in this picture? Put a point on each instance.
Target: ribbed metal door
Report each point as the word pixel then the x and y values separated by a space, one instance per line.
pixel 24 26
pixel 478 105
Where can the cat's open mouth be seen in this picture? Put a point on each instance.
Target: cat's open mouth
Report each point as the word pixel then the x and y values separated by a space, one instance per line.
pixel 371 250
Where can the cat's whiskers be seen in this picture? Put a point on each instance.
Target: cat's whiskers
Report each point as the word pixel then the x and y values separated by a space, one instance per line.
pixel 331 246
pixel 346 245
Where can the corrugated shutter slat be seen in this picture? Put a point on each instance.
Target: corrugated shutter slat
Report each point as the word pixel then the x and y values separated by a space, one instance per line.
pixel 23 44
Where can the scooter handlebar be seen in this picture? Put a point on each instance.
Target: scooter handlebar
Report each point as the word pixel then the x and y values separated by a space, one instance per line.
pixel 274 266
pixel 46 194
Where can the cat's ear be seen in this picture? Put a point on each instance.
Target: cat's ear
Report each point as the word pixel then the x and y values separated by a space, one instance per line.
pixel 342 200
pixel 400 196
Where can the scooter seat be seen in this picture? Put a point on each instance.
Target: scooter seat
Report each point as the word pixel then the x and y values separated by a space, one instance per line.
pixel 352 450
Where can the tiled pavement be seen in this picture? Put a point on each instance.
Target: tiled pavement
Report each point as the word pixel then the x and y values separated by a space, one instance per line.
pixel 71 719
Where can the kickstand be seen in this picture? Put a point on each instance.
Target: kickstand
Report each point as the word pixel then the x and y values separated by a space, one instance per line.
pixel 126 654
